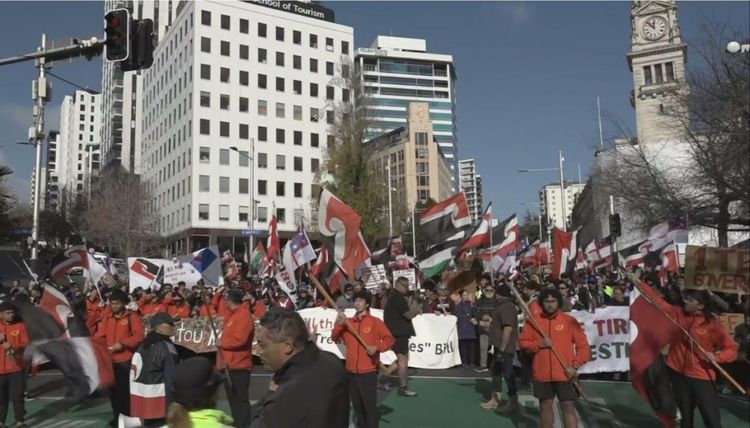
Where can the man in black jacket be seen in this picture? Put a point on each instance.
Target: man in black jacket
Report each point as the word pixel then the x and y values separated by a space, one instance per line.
pixel 309 388
pixel 397 316
pixel 153 368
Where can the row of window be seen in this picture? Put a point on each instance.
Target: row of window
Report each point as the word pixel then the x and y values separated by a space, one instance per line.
pixel 262 81
pixel 204 185
pixel 243 103
pixel 280 32
pixel 262 131
pixel 658 73
pixel 262 163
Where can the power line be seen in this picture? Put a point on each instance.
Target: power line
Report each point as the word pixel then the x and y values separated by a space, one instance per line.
pixel 88 90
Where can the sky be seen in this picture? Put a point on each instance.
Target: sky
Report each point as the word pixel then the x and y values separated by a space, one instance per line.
pixel 529 74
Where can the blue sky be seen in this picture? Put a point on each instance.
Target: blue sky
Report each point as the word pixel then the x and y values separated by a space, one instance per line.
pixel 528 75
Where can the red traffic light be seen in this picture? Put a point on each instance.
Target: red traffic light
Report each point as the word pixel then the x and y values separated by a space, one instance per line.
pixel 115 22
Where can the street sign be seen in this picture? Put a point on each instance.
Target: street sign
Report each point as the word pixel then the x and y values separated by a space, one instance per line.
pixel 253 232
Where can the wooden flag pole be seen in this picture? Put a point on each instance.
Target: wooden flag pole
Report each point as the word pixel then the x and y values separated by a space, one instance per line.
pixel 331 302
pixel 637 282
pixel 535 324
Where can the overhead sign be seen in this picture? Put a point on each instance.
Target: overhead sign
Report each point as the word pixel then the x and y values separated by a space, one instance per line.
pixel 253 232
pixel 310 10
pixel 725 270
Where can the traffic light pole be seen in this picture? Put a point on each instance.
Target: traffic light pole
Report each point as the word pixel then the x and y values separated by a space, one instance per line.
pixel 41 98
pixel 88 48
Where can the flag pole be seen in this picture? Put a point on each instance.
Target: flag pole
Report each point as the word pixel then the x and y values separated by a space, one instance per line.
pixel 538 328
pixel 331 302
pixel 637 283
pixel 492 270
pixel 225 366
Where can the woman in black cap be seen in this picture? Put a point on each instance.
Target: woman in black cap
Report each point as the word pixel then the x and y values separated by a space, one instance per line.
pixel 196 385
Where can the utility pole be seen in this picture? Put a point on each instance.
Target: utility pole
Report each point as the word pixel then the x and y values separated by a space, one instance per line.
pixel 41 95
pixel 562 192
pixel 390 202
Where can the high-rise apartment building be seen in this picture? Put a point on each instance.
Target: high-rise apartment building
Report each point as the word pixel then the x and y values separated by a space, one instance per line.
pixel 471 185
pixel 396 71
pixel 235 115
pixel 551 202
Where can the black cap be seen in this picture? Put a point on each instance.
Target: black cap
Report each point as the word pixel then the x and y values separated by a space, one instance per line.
pixel 504 291
pixel 193 377
pixel 361 294
pixel 161 318
pixel 348 286
pixel 7 305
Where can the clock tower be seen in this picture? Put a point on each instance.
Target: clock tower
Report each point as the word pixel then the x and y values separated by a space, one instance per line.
pixel 657 59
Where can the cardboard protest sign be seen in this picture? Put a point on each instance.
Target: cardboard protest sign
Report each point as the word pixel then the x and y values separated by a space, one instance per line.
pixel 409 274
pixel 374 277
pixel 725 270
pixel 195 333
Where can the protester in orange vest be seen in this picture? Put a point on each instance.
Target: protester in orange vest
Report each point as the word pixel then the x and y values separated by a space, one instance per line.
pixel 362 362
pixel 691 371
pixel 13 340
pixel 236 355
pixel 564 333
pixel 123 332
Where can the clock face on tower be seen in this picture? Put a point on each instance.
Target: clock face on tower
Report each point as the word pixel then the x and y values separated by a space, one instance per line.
pixel 654 27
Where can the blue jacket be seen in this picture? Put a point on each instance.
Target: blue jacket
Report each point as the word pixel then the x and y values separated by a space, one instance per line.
pixel 464 313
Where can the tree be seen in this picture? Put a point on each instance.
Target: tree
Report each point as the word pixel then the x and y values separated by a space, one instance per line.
pixel 706 175
pixel 346 170
pixel 529 226
pixel 6 201
pixel 121 218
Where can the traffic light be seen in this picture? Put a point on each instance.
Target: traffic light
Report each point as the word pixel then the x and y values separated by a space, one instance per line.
pixel 142 46
pixel 117 31
pixel 615 229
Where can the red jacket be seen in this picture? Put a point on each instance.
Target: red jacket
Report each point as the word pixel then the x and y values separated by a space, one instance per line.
pixel 174 311
pixel 568 339
pixel 374 332
pixel 147 308
pixel 686 358
pixel 16 335
pixel 220 306
pixel 259 310
pixel 127 329
pixel 94 314
pixel 237 340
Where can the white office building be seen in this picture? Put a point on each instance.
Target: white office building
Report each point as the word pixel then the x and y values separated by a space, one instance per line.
pixel 122 91
pixel 80 125
pixel 52 194
pixel 552 206
pixel 235 110
pixel 471 185
pixel 396 71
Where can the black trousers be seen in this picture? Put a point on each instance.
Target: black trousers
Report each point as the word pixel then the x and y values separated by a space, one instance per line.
pixel 690 393
pixel 502 368
pixel 119 393
pixel 466 350
pixel 12 387
pixel 363 392
pixel 238 395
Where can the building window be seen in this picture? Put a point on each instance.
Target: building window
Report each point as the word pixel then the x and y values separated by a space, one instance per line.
pixel 205 127
pixel 330 92
pixel 345 95
pixel 224 102
pixel 262 188
pixel 262 160
pixel 657 72
pixel 244 131
pixel 280 136
pixel 280 34
pixel 223 212
pixel 280 110
pixel 224 129
pixel 243 186
pixel 280 84
pixel 262 133
pixel 244 26
pixel 330 116
pixel 314 140
pixel 297 62
pixel 296 37
pixel 421 138
pixel 202 211
pixel 280 59
pixel 204 155
pixel 670 71
pixel 224 22
pixel 223 157
pixel 224 48
pixel 297 190
pixel 313 41
pixel 280 162
pixel 262 108
pixel 297 87
pixel 204 183
pixel 243 213
pixel 244 78
pixel 262 214
pixel 314 90
pixel 313 65
pixel 345 72
pixel 345 47
pixel 297 138
pixel 205 71
pixel 262 81
pixel 205 44
pixel 262 56
pixel 205 99
pixel 224 75
pixel 261 29
pixel 244 104
pixel 244 158
pixel 329 68
pixel 329 44
pixel 648 80
pixel 244 52
pixel 223 184
pixel 205 17
pixel 314 115
pixel 297 163
pixel 280 189
pixel 314 165
pixel 297 112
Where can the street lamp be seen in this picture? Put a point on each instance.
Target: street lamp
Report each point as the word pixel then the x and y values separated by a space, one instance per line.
pixel 735 47
pixel 562 185
pixel 251 217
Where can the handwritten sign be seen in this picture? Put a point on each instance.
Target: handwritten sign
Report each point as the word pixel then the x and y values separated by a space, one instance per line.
pixel 725 270
pixel 374 277
pixel 195 334
pixel 409 274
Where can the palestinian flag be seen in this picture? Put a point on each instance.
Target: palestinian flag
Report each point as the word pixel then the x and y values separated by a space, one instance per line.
pixel 438 258
pixel 257 257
